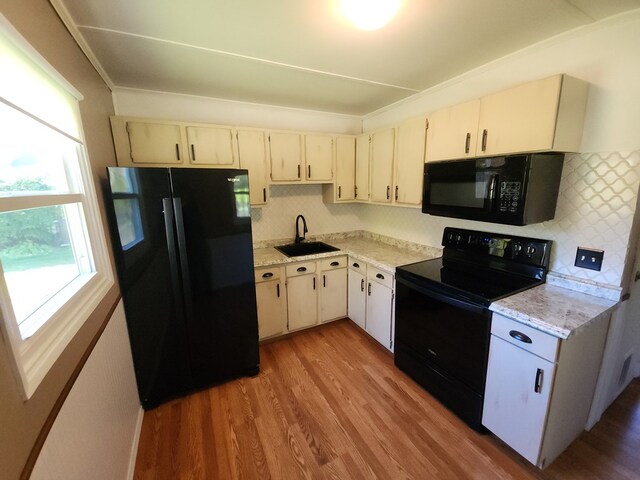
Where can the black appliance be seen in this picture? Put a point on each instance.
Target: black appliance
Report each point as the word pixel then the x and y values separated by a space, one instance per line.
pixel 514 189
pixel 184 256
pixel 443 322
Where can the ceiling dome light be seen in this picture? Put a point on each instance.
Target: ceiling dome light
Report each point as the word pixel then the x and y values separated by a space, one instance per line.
pixel 369 14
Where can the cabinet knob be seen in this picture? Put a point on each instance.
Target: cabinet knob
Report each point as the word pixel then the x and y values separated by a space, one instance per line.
pixel 380 276
pixel 301 269
pixel 335 264
pixel 356 265
pixel 539 376
pixel 267 275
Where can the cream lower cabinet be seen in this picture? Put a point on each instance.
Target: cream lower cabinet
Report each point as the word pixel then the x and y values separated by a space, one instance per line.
pixel 371 293
pixel 302 295
pixel 272 302
pixel 357 292
pixel 333 288
pixel 539 387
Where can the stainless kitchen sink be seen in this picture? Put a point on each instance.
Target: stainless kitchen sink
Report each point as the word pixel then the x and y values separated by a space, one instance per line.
pixel 305 248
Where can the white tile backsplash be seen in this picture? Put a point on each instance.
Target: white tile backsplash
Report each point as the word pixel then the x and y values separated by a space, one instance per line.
pixel 596 205
pixel 277 219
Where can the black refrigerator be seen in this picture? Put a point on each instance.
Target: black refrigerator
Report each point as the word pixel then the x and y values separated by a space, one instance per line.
pixel 184 256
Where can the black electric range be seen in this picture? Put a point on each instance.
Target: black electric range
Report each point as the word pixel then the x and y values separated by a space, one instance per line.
pixel 443 322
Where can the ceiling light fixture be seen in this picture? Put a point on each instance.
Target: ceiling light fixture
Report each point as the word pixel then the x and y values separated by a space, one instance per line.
pixel 369 14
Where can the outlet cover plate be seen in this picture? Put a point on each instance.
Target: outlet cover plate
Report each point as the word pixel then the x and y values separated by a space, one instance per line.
pixel 589 258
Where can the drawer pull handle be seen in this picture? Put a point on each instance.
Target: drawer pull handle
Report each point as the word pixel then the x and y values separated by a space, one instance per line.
pixel 520 336
pixel 538 385
pixel 467 143
pixel 335 264
pixel 355 265
pixel 369 289
pixel 267 275
pixel 380 276
pixel 278 290
pixel 362 285
pixel 301 269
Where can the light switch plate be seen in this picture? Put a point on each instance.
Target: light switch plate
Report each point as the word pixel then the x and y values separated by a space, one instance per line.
pixel 589 258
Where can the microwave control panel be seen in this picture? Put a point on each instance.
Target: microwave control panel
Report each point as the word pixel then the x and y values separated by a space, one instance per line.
pixel 510 193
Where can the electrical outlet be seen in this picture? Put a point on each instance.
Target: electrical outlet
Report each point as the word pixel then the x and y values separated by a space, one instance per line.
pixel 589 258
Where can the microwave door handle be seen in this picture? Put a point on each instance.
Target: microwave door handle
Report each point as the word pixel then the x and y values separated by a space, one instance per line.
pixel 491 194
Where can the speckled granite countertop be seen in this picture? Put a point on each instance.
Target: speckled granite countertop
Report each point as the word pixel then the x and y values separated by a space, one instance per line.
pixel 556 310
pixel 382 252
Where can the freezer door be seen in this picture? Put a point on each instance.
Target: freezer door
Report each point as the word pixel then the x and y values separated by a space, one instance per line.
pixel 213 220
pixel 143 237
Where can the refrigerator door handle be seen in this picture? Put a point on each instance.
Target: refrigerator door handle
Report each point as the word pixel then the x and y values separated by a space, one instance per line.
pixel 182 252
pixel 167 211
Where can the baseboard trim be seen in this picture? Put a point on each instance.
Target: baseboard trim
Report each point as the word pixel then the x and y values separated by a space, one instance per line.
pixel 134 445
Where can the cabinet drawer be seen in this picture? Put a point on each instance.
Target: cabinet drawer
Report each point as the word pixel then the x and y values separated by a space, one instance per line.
pixel 331 263
pixel 267 273
pixel 301 268
pixel 358 265
pixel 380 276
pixel 525 337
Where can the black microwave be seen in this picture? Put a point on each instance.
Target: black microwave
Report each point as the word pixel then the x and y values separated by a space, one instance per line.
pixel 513 189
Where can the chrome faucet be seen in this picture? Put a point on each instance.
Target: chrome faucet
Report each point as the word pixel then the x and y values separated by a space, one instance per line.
pixel 304 229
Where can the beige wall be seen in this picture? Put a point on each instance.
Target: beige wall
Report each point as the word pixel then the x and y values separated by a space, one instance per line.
pixel 22 421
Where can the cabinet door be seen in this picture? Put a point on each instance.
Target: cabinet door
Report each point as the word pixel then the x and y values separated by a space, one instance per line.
pixel 357 288
pixel 379 310
pixel 410 162
pixel 345 168
pixel 253 157
pixel 155 143
pixel 211 146
pixel 272 309
pixel 302 301
pixel 453 132
pixel 363 144
pixel 286 156
pixel 333 294
pixel 318 150
pixel 520 119
pixel 516 397
pixel 382 149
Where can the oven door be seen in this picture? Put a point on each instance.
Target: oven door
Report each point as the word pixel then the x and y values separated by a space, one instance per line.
pixel 461 189
pixel 443 344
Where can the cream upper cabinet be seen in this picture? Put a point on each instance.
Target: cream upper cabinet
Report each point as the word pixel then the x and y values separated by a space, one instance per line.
pixel 547 114
pixel 453 132
pixel 159 143
pixel 543 115
pixel 363 144
pixel 409 164
pixel 285 152
pixel 382 152
pixel 345 168
pixel 343 188
pixel 318 151
pixel 252 152
pixel 211 145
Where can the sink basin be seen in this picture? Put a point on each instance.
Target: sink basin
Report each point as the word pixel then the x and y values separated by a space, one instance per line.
pixel 305 248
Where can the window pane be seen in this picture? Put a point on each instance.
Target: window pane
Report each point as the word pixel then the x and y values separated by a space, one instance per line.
pixel 42 250
pixel 35 158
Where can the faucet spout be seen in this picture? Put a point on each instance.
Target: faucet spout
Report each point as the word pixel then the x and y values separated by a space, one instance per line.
pixel 304 228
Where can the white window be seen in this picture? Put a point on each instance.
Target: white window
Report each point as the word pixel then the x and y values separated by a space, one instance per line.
pixel 54 268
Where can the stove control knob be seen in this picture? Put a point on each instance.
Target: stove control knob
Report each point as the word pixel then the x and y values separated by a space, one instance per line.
pixel 531 250
pixel 517 247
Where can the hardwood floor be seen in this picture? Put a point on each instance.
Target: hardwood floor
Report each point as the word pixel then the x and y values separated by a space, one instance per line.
pixel 329 403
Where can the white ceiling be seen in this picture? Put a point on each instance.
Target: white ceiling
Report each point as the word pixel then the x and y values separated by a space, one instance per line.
pixel 301 53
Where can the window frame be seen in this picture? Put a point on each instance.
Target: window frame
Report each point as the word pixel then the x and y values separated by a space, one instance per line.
pixel 33 357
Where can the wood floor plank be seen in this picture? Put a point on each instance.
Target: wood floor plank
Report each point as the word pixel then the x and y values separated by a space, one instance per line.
pixel 330 404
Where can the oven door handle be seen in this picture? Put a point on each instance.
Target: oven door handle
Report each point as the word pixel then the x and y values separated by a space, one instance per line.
pixel 442 297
